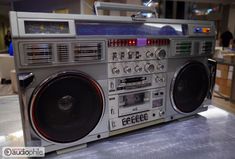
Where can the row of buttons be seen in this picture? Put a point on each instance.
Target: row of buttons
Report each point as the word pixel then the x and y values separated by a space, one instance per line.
pixel 134 119
pixel 130 55
pixel 122 55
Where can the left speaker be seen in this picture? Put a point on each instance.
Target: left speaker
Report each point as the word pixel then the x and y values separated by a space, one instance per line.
pixel 63 92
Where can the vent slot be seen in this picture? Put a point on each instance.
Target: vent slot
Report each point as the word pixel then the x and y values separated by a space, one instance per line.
pixel 63 52
pixel 207 47
pixel 183 48
pixel 88 51
pixel 38 53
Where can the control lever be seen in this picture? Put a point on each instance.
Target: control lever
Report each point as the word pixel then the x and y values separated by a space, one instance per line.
pixel 25 79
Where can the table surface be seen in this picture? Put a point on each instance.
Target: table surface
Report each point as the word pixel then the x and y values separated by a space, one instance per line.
pixel 209 135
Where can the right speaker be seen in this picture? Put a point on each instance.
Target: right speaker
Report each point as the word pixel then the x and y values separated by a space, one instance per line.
pixel 191 76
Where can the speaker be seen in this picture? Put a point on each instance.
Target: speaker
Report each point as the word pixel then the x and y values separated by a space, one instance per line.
pixel 63 92
pixel 191 76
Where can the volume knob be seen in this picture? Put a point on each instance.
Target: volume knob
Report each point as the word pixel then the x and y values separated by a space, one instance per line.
pixel 160 67
pixel 138 68
pixel 160 54
pixel 127 69
pixel 159 79
pixel 149 54
pixel 149 68
pixel 115 70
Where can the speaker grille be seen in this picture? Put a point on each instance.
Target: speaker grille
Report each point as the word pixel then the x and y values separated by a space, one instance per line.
pixel 183 48
pixel 38 53
pixel 63 52
pixel 87 51
pixel 206 47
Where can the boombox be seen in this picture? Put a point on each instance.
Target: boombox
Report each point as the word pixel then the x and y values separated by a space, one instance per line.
pixel 83 78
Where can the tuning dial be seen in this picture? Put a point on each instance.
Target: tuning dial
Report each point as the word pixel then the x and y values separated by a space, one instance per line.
pixel 160 54
pixel 127 69
pixel 149 54
pixel 149 68
pixel 161 112
pixel 115 70
pixel 159 79
pixel 160 67
pixel 138 68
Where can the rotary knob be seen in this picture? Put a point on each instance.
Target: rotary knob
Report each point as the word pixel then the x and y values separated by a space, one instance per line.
pixel 127 69
pixel 149 54
pixel 149 68
pixel 115 70
pixel 160 67
pixel 159 79
pixel 161 112
pixel 160 54
pixel 138 68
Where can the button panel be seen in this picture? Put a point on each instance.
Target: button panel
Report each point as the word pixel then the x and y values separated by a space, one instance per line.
pixel 136 80
pixel 122 54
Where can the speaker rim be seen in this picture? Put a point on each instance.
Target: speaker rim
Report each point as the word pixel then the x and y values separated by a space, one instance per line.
pixel 173 83
pixel 48 79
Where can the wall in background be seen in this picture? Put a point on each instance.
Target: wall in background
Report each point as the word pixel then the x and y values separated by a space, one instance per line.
pixel 231 21
pixel 47 6
pixel 4 24
pixel 87 7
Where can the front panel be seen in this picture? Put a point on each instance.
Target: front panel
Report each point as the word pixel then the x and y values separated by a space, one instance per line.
pixel 120 74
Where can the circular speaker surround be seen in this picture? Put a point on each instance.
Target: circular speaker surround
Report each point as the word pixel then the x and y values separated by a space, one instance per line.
pixel 189 87
pixel 66 107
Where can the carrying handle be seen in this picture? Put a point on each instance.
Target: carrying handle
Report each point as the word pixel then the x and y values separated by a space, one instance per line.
pixel 212 65
pixel 124 7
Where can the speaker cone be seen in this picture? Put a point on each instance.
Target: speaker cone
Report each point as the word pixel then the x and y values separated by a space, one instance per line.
pixel 66 107
pixel 190 87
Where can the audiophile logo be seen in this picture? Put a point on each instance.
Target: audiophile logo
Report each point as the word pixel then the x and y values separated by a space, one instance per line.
pixel 23 152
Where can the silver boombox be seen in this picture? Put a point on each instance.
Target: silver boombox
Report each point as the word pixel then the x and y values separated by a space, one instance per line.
pixel 82 77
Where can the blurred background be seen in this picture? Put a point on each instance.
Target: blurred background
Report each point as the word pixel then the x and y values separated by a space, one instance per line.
pixel 220 11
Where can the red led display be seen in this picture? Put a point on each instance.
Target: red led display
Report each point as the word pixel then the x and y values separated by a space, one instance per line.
pixel 133 42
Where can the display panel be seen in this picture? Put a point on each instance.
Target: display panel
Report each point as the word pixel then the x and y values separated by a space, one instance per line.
pixel 46 27
pixel 142 29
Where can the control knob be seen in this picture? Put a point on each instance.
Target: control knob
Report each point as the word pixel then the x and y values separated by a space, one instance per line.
pixel 138 68
pixel 149 54
pixel 160 66
pixel 159 79
pixel 115 70
pixel 149 68
pixel 127 69
pixel 160 54
pixel 161 112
